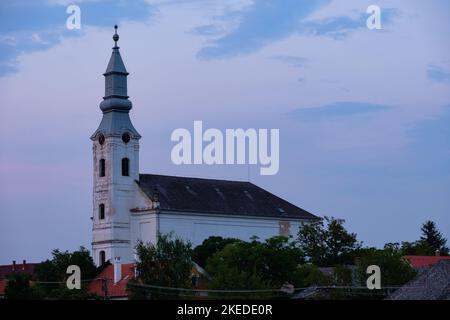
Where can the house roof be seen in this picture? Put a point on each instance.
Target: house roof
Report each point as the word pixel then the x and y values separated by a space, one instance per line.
pixel 424 261
pixel 7 269
pixel 217 197
pixel 115 290
pixel 2 287
pixel 431 284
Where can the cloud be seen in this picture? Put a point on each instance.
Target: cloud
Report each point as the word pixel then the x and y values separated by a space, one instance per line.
pixel 340 27
pixel 260 23
pixel 336 110
pixel 208 30
pixel 294 61
pixel 336 27
pixel 268 20
pixel 41 24
pixel 438 74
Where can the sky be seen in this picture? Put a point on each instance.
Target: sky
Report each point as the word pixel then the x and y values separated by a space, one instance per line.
pixel 363 114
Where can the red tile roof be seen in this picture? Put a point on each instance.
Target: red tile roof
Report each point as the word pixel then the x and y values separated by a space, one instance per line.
pixel 424 261
pixel 2 287
pixel 7 269
pixel 114 290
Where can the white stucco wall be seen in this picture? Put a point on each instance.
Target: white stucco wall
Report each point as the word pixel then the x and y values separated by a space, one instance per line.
pixel 198 227
pixel 118 193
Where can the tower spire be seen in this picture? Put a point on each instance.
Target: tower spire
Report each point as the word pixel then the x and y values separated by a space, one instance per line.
pixel 116 98
pixel 115 104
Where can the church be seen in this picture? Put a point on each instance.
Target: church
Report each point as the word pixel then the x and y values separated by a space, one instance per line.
pixel 129 206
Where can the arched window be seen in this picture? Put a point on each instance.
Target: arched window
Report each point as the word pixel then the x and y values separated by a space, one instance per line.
pixel 102 167
pixel 125 167
pixel 101 211
pixel 102 257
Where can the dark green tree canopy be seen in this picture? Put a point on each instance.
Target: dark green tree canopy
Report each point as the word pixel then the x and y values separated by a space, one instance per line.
pixel 395 271
pixel 209 246
pixel 255 264
pixel 55 269
pixel 434 238
pixel 19 288
pixel 327 243
pixel 166 264
pixel 51 277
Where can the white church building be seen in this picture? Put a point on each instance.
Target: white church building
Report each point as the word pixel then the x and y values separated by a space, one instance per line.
pixel 131 206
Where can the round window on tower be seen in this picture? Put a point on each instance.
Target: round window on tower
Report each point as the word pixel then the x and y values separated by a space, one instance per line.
pixel 126 137
pixel 101 139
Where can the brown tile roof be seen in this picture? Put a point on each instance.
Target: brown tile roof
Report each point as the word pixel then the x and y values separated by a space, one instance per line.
pixel 117 290
pixel 7 269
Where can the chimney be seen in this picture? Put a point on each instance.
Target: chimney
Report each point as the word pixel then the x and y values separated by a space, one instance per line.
pixel 437 253
pixel 117 270
pixel 24 262
pixel 14 266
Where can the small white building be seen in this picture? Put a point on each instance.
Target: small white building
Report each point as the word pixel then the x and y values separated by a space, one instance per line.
pixel 129 206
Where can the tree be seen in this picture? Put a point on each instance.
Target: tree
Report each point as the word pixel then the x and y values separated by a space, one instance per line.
pixel 395 271
pixel 166 264
pixel 432 236
pixel 416 248
pixel 328 245
pixel 18 287
pixel 209 246
pixel 255 265
pixel 51 274
pixel 342 275
pixel 308 275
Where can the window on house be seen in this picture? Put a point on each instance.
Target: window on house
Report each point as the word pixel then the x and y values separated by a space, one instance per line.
pixel 102 167
pixel 101 211
pixel 102 257
pixel 125 167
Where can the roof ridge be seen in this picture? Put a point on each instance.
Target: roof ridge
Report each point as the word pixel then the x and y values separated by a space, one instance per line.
pixel 195 178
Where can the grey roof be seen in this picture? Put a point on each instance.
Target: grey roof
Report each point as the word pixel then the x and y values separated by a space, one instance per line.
pixel 116 98
pixel 431 284
pixel 218 197
pixel 116 64
pixel 115 104
pixel 115 124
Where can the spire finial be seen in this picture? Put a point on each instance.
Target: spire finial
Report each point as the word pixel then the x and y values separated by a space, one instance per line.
pixel 115 36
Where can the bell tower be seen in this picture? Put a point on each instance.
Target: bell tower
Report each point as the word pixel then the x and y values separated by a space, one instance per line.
pixel 115 146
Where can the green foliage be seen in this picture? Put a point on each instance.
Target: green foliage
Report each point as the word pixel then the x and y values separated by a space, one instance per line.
pixel 255 265
pixel 166 264
pixel 54 273
pixel 416 248
pixel 342 276
pixel 18 287
pixel 430 241
pixel 308 275
pixel 432 236
pixel 209 246
pixel 328 245
pixel 233 279
pixel 395 271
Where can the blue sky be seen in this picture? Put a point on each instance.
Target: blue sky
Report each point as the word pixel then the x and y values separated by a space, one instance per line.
pixel 363 114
